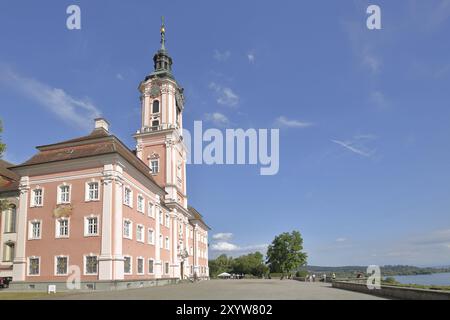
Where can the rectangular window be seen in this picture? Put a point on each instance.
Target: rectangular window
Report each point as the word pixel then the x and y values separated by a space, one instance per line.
pixel 160 217
pixel 140 203
pixel 62 228
pixel 61 265
pixel 93 191
pixel 127 265
pixel 127 197
pixel 91 264
pixel 167 243
pixel 154 166
pixel 151 213
pixel 64 194
pixel 140 233
pixel 166 268
pixel 127 229
pixel 37 197
pixel 151 236
pixel 160 241
pixel 33 266
pixel 35 230
pixel 167 220
pixel 140 266
pixel 91 226
pixel 150 266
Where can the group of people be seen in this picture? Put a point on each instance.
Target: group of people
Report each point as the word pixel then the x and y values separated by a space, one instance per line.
pixel 312 278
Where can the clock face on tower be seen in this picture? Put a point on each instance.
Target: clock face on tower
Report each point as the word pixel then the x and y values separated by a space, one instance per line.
pixel 155 90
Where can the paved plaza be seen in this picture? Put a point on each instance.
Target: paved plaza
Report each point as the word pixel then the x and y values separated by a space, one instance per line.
pixel 227 290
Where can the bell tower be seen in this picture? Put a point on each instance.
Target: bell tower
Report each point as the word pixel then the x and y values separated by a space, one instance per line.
pixel 159 141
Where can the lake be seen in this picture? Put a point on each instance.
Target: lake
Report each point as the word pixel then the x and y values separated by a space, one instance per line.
pixel 442 279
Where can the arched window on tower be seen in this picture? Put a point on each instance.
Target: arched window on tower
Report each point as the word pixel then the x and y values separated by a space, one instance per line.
pixel 155 108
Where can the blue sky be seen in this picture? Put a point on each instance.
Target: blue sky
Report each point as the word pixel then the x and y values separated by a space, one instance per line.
pixel 363 115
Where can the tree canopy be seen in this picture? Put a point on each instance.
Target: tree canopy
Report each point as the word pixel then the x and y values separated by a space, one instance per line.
pixel 250 264
pixel 285 253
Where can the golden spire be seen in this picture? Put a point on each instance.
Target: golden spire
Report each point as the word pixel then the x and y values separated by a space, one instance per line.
pixel 163 34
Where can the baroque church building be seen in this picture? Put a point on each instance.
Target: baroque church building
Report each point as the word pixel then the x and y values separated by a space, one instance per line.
pixel 94 209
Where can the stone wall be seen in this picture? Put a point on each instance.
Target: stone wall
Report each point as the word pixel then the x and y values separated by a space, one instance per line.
pixel 394 292
pixel 91 286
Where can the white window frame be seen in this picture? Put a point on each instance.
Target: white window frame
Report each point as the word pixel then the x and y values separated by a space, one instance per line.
pixel 151 239
pixel 130 233
pixel 86 226
pixel 85 264
pixel 141 227
pixel 160 217
pixel 59 193
pixel 167 220
pixel 151 209
pixel 157 166
pixel 128 203
pixel 33 197
pixel 87 185
pixel 58 228
pixel 153 266
pixel 137 265
pixel 55 268
pixel 30 229
pixel 29 264
pixel 140 206
pixel 161 241
pixel 131 265
pixel 167 243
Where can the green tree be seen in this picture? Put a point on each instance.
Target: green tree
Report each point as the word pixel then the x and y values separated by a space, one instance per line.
pixel 221 264
pixel 252 263
pixel 2 145
pixel 285 254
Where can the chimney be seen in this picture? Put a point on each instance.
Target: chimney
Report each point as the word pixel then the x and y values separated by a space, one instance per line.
pixel 101 123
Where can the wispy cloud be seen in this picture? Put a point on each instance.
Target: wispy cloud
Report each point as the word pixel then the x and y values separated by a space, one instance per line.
pixel 251 57
pixel 119 76
pixel 364 46
pixel 74 111
pixel 225 236
pixel 225 95
pixel 357 145
pixel 341 239
pixel 379 100
pixel 221 56
pixel 225 246
pixel 217 119
pixel 284 122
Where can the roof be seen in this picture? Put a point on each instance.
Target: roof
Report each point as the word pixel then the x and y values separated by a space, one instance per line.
pixel 9 180
pixel 197 216
pixel 99 142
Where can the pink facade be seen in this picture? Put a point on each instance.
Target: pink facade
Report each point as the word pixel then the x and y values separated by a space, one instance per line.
pixel 92 208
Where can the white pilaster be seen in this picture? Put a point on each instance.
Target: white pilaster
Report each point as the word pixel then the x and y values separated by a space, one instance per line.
pixel 175 262
pixel 157 263
pixel 105 270
pixel 20 261
pixel 118 260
